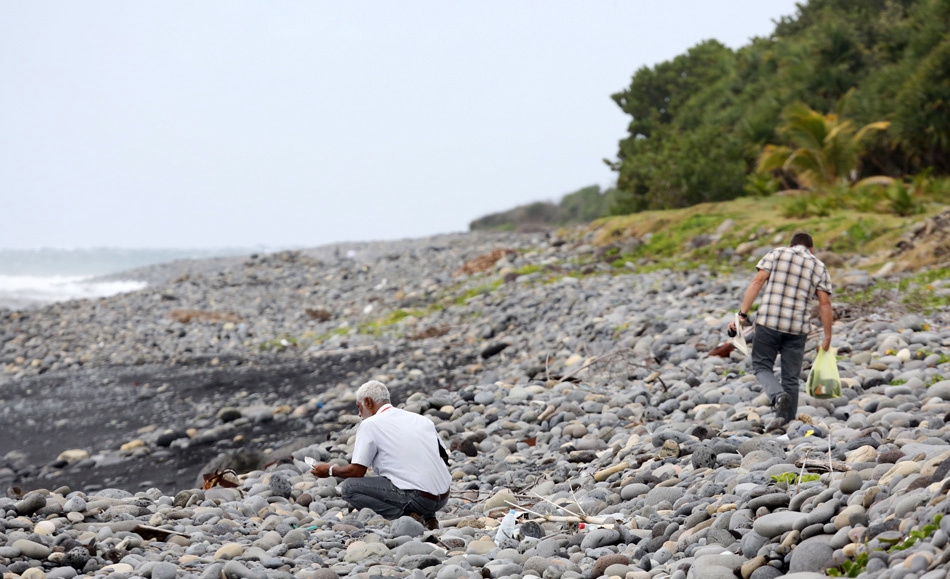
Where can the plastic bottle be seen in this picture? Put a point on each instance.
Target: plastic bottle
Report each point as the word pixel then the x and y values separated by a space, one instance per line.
pixel 507 528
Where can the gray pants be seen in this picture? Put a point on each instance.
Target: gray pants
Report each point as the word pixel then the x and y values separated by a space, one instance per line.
pixel 377 493
pixel 766 346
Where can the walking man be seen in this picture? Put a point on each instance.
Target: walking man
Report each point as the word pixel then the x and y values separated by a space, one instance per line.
pixel 405 452
pixel 791 276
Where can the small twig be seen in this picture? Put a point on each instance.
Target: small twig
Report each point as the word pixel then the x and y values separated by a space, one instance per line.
pixel 576 502
pixel 593 361
pixel 821 465
pixel 524 509
pixel 798 485
pixel 831 471
pixel 545 499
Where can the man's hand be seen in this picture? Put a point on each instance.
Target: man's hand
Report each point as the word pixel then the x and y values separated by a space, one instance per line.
pixel 320 470
pixel 732 325
pixel 826 343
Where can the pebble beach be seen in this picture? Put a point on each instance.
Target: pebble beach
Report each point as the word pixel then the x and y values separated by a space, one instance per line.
pixel 570 388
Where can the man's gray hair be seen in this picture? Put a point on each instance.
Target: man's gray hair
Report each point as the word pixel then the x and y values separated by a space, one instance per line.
pixel 373 390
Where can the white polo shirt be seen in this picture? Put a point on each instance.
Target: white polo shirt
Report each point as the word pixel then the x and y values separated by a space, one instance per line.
pixel 402 446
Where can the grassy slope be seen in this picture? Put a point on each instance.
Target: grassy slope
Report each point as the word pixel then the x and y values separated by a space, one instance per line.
pixel 846 232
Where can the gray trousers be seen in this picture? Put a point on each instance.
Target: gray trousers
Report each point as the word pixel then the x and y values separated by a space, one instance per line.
pixel 390 502
pixel 766 346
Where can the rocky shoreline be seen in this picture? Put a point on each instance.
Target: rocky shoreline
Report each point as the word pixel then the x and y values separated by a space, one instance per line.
pixel 576 389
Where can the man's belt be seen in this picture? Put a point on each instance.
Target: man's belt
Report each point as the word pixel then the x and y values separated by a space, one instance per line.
pixel 433 497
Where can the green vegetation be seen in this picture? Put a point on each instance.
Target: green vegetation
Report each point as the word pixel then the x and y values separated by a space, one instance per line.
pixel 279 344
pixel 914 536
pixel 376 326
pixel 938 378
pixel 851 568
pixel 796 102
pixel 915 292
pixel 528 269
pixel 860 562
pixel 286 341
pixel 827 149
pixel 791 478
pixel 477 291
pixel 690 236
pixel 581 206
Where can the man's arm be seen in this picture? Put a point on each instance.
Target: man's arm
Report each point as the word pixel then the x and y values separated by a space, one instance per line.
pixel 322 470
pixel 751 293
pixel 364 450
pixel 827 316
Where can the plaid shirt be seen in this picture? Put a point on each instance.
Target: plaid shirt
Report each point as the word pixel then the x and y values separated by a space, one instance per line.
pixel 795 274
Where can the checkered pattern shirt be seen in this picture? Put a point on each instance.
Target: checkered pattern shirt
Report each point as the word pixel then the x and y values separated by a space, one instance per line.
pixel 795 274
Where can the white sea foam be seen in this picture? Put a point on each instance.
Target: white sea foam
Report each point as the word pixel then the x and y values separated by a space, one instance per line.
pixel 24 291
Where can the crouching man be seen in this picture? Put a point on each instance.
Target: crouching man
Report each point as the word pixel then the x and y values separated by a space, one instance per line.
pixel 406 452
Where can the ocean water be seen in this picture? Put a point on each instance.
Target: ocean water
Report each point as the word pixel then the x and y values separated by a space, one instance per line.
pixel 33 278
pixel 26 291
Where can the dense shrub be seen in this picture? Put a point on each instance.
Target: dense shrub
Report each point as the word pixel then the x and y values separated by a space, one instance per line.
pixel 700 120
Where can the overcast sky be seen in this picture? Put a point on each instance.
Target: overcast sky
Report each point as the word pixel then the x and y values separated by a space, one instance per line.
pixel 299 123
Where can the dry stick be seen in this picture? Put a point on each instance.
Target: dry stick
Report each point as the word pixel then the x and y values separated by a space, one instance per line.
pixel 550 518
pixel 559 507
pixel 593 361
pixel 801 474
pixel 566 518
pixel 688 369
pixel 545 499
pixel 831 470
pixel 576 502
pixel 517 506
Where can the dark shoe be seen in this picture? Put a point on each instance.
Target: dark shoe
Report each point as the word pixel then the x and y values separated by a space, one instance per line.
pixel 783 407
pixel 417 517
pixel 777 426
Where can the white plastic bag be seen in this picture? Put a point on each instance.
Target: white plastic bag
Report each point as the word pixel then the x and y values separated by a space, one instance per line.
pixel 739 341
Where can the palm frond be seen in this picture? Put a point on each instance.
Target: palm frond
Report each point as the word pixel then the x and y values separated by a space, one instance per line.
pixel 875 181
pixel 772 158
pixel 803 126
pixel 808 167
pixel 868 128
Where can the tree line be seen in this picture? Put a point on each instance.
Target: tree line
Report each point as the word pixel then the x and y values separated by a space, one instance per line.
pixel 847 101
pixel 840 92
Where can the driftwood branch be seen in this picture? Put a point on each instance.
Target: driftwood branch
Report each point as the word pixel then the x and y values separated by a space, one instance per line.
pixel 587 520
pixel 821 465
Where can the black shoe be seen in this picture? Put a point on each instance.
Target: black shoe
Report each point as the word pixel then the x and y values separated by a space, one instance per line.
pixel 783 407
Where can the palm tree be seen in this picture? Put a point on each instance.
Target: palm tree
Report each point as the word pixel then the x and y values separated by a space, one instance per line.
pixel 826 149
